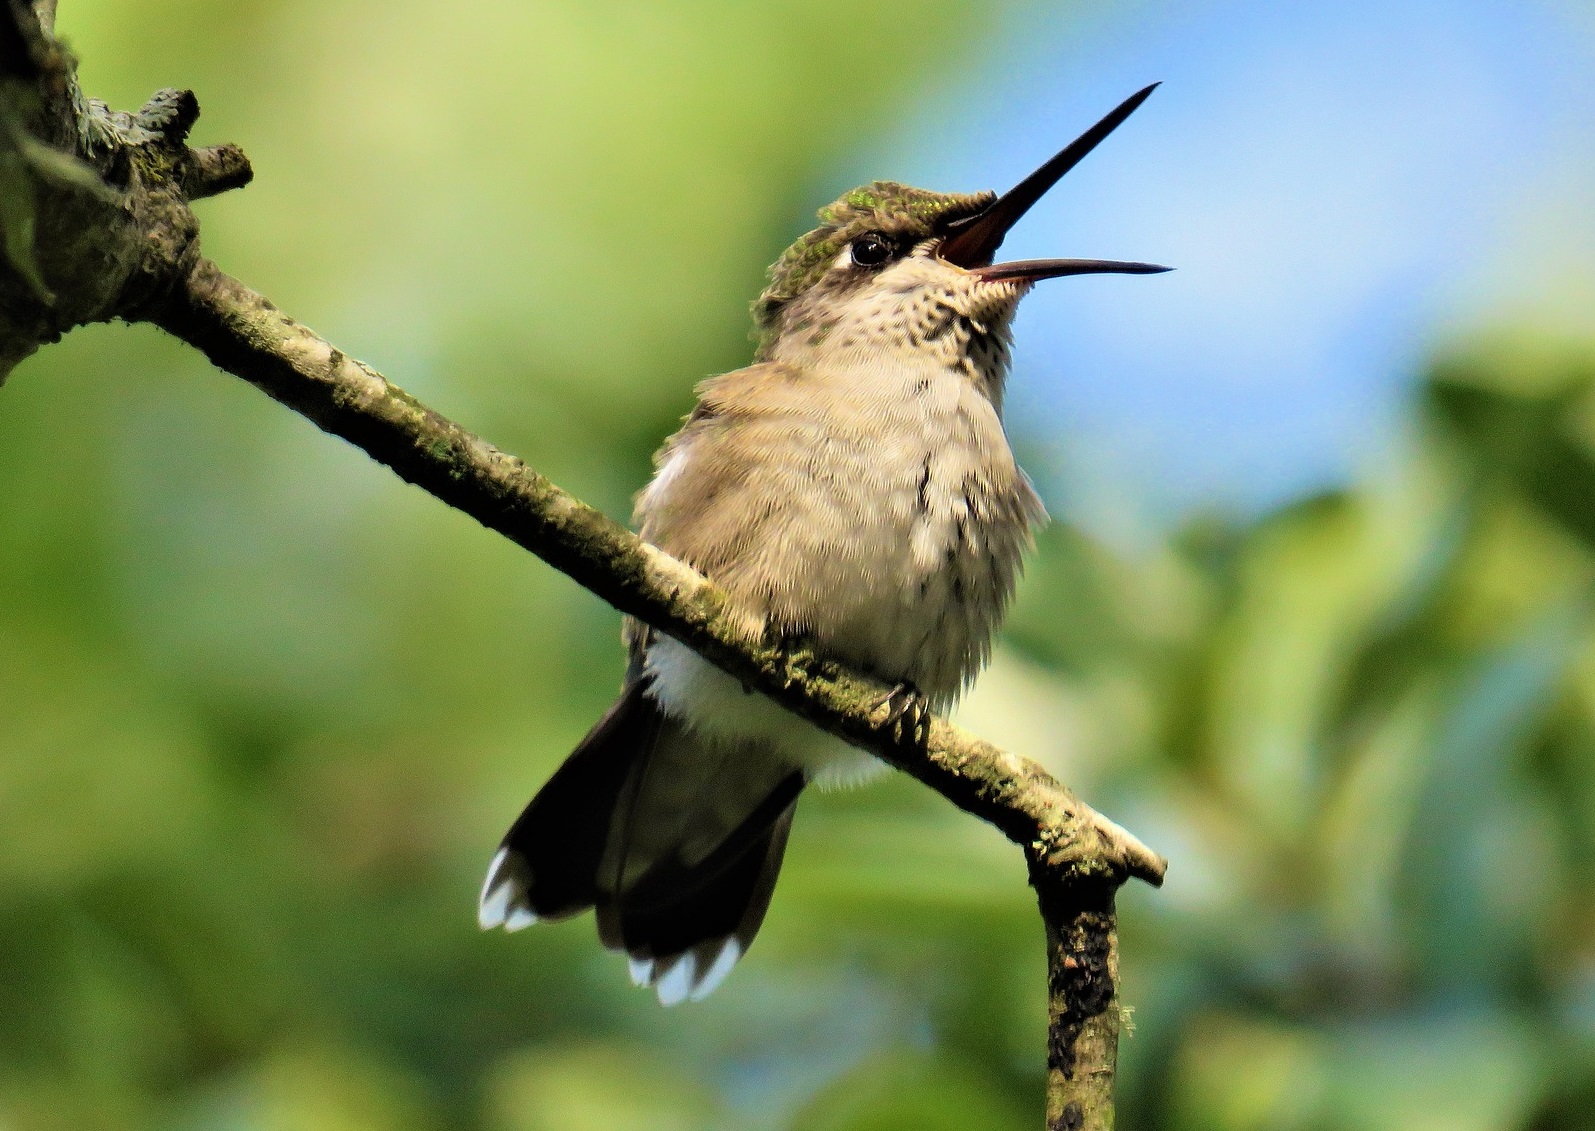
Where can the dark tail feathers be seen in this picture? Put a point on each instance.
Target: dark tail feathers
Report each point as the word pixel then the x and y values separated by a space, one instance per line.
pixel 675 841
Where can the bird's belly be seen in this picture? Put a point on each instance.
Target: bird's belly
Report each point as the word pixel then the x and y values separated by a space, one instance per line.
pixel 720 709
pixel 918 605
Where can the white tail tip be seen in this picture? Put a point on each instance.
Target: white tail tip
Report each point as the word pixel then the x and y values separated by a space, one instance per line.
pixel 503 901
pixel 685 979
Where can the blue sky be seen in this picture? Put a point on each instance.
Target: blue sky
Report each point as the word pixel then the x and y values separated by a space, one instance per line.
pixel 1340 186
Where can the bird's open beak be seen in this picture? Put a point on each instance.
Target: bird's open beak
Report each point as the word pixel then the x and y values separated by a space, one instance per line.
pixel 975 240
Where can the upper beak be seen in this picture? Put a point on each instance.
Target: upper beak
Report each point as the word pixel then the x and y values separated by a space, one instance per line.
pixel 975 240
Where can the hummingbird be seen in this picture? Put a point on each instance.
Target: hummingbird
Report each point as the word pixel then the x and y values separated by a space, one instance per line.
pixel 852 491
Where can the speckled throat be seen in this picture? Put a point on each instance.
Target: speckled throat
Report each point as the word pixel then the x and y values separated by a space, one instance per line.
pixel 918 312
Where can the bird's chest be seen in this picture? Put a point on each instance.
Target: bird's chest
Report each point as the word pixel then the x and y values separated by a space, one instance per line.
pixel 912 540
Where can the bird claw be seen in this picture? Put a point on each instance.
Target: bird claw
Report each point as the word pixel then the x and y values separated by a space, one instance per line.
pixel 908 714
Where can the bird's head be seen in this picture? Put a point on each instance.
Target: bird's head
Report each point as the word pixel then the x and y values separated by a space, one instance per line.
pixel 902 270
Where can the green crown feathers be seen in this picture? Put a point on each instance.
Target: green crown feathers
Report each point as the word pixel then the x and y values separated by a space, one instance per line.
pixel 908 213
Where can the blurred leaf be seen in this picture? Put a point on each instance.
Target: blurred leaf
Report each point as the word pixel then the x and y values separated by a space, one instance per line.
pixel 1242 1074
pixel 913 1093
pixel 1438 1071
pixel 1521 409
pixel 596 1088
pixel 1572 1108
pixel 1462 835
pixel 85 760
pixel 311 1089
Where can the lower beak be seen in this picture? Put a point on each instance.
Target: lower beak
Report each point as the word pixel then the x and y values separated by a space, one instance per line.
pixel 1033 270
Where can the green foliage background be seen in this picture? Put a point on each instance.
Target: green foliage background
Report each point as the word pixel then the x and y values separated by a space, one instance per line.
pixel 264 711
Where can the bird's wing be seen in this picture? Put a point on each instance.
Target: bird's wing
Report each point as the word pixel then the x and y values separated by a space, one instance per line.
pixel 761 490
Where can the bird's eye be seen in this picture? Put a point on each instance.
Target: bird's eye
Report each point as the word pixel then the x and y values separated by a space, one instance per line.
pixel 870 250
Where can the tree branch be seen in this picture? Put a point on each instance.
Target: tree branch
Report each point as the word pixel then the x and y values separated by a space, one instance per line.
pixel 142 237
pixel 246 335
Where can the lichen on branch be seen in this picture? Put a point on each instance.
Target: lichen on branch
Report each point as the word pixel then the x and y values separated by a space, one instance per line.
pixel 94 204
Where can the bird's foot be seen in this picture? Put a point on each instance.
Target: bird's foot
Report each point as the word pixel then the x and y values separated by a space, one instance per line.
pixel 908 714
